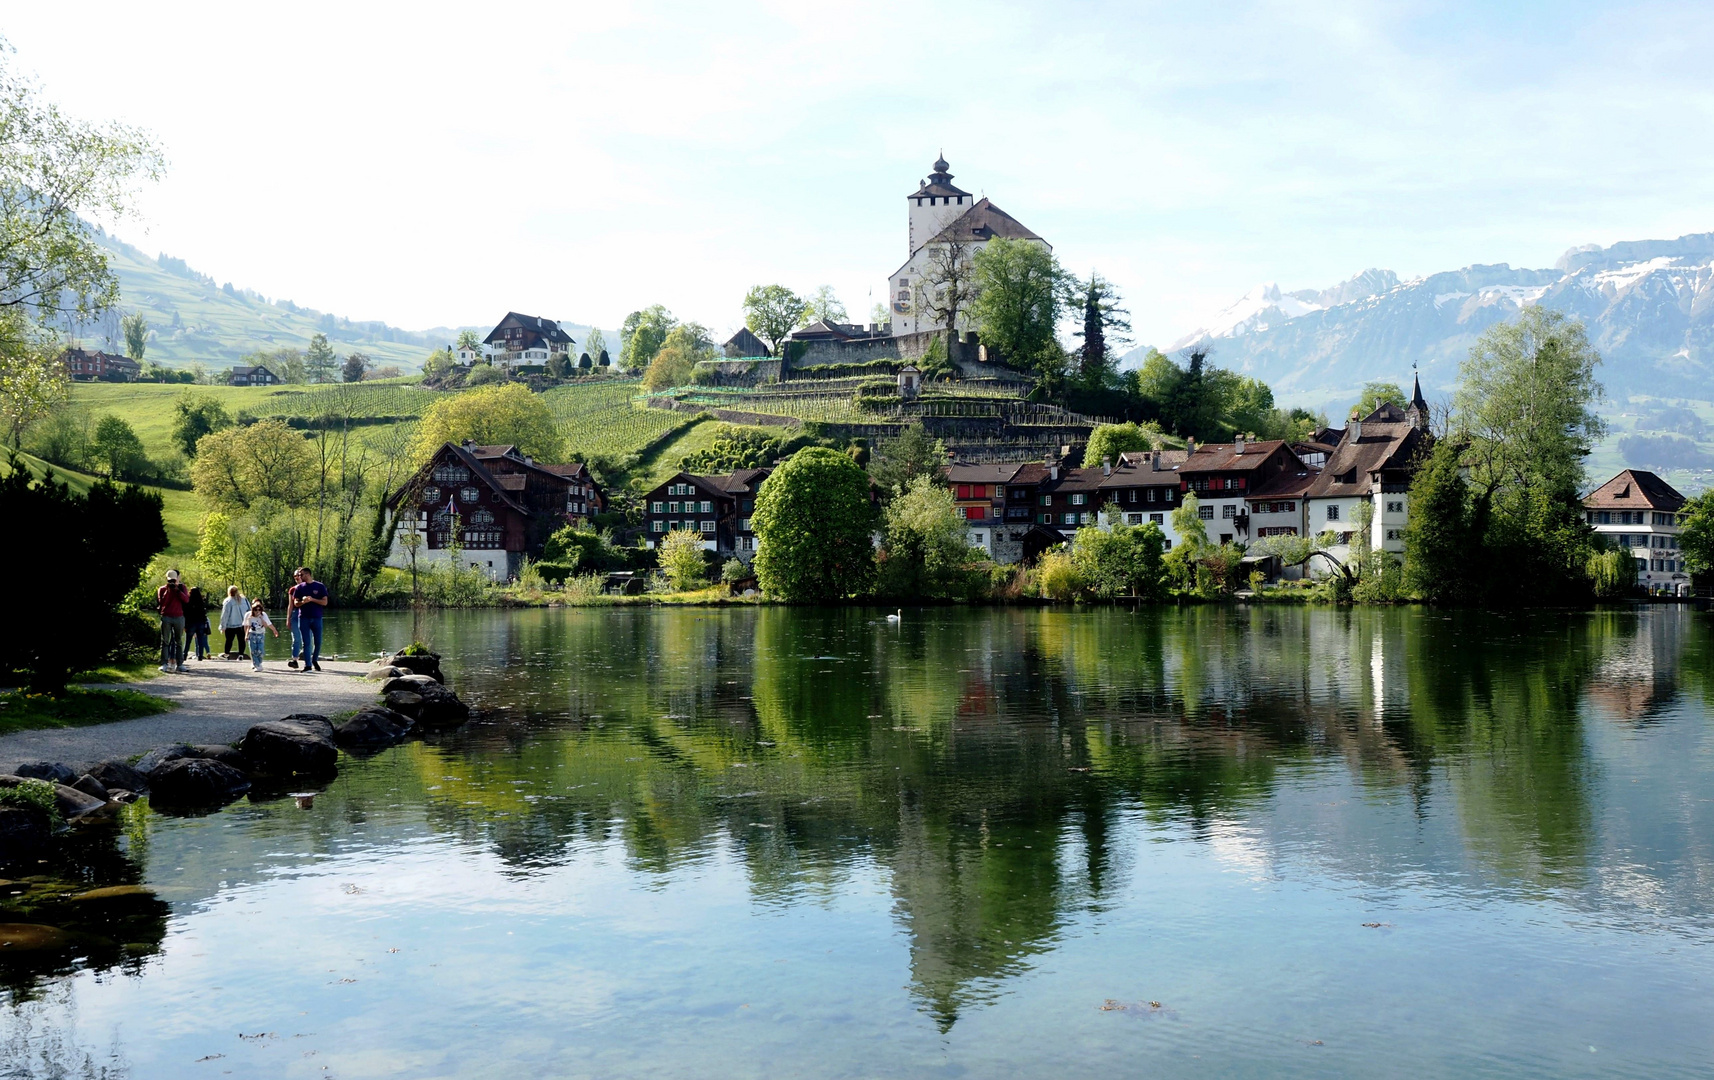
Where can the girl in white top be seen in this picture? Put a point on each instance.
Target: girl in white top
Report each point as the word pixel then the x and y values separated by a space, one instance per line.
pixel 255 624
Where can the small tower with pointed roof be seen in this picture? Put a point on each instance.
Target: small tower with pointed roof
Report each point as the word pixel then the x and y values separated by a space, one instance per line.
pixel 935 205
pixel 1417 414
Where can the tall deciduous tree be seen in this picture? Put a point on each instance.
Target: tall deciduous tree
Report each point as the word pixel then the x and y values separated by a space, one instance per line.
pixel 1439 544
pixel 924 546
pixel 686 345
pixel 117 447
pixel 56 173
pixel 824 304
pixel 773 311
pixel 1375 394
pixel 239 467
pixel 136 330
pixel 946 288
pixel 1108 441
pixel 1696 537
pixel 1020 291
pixel 813 522
pixel 491 415
pixel 642 335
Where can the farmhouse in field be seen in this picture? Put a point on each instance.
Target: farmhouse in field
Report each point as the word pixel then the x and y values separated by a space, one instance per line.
pixel 85 365
pixel 491 505
pixel 524 340
pixel 254 376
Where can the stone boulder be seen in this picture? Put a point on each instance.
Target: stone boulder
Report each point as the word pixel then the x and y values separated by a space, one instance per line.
pixel 310 720
pixel 426 664
pixel 441 708
pixel 226 755
pixel 160 755
pixel 416 684
pixel 385 672
pixel 117 774
pixel 92 787
pixel 51 771
pixel 75 805
pixel 408 702
pixel 290 747
pixel 192 782
pixel 374 726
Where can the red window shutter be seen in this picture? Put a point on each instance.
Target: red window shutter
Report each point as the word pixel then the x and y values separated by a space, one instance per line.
pixel 963 491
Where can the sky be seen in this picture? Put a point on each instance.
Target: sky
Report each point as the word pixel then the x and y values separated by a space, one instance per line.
pixel 440 164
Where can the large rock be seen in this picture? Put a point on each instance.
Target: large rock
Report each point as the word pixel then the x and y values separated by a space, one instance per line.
pixel 92 787
pixel 416 684
pixel 24 833
pixel 373 726
pixel 385 672
pixel 310 720
pixel 408 702
pixel 426 664
pixel 51 771
pixel 117 774
pixel 289 747
pixel 441 709
pixel 74 804
pixel 160 755
pixel 192 782
pixel 226 755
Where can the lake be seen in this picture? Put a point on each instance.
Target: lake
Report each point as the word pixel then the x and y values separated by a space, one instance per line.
pixel 775 842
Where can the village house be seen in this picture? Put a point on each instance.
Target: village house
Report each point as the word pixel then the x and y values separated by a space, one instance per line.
pixel 524 340
pixel 1373 463
pixel 85 365
pixel 716 507
pixel 254 376
pixel 1222 476
pixel 493 505
pixel 979 496
pixel 744 345
pixel 1639 512
pixel 1141 488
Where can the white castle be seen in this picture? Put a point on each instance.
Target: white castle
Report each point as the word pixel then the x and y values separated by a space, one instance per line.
pixel 940 214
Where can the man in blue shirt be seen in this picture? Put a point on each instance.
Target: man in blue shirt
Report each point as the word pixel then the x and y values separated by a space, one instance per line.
pixel 309 601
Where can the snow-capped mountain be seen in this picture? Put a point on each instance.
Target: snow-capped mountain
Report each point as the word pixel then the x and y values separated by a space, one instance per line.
pixel 1648 306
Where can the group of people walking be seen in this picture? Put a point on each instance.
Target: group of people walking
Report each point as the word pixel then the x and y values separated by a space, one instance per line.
pixel 184 623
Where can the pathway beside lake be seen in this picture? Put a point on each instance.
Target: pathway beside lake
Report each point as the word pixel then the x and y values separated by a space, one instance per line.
pixel 215 702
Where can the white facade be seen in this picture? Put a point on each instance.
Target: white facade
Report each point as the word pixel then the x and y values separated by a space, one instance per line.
pixel 410 548
pixel 1386 528
pixel 1651 536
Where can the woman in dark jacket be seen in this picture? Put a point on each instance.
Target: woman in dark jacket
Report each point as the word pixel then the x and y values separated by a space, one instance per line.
pixel 196 623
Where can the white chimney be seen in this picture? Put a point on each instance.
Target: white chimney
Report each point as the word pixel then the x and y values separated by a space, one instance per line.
pixel 1354 431
pixel 1238 445
pixel 1053 470
pixel 1190 446
pixel 1106 466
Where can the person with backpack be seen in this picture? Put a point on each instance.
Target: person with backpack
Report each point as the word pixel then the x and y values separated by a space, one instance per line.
pixel 171 601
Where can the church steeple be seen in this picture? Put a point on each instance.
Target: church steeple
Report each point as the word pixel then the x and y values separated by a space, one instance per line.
pixel 1417 414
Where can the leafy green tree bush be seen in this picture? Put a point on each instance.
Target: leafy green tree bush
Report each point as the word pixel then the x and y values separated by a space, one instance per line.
pixel 484 375
pixel 107 537
pixel 897 462
pixel 1020 291
pixel 1121 560
pixel 118 448
pixel 1439 541
pixel 925 550
pixel 196 415
pixel 734 570
pixel 642 335
pixel 1056 576
pixel 813 520
pixel 1613 573
pixel 773 311
pixel 732 448
pixel 684 347
pixel 1110 440
pixel 497 415
pixel 682 562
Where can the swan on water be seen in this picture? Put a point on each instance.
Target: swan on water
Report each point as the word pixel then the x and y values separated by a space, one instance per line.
pixel 896 618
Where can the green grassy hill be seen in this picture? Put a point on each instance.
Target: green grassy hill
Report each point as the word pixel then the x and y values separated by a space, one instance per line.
pixel 194 318
pixel 181 511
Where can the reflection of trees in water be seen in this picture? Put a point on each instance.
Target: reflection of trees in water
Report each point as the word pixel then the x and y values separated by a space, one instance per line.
pixel 39 1041
pixel 986 758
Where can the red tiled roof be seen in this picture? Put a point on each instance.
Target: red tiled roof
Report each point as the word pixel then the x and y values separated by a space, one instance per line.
pixel 1634 488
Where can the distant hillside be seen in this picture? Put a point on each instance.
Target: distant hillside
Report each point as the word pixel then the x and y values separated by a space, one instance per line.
pixel 194 317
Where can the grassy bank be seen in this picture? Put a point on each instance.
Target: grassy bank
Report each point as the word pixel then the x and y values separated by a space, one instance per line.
pixel 77 707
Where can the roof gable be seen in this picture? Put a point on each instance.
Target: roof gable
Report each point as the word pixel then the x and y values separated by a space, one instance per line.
pixel 1634 489
pixel 984 221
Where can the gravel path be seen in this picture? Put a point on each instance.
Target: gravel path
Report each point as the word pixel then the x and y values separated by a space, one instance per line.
pixel 217 701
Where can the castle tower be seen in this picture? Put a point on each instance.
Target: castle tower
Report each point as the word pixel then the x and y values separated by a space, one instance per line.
pixel 935 205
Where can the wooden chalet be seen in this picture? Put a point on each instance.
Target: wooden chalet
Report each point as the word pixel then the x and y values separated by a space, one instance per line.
pixel 254 376
pixel 495 503
pixel 716 507
pixel 526 339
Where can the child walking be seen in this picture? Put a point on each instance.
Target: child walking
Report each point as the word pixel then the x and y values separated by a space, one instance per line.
pixel 255 624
